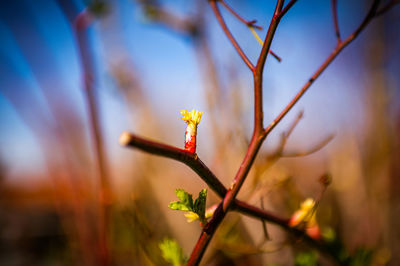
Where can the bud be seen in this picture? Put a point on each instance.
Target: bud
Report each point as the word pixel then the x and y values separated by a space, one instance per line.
pixel 192 119
pixel 305 216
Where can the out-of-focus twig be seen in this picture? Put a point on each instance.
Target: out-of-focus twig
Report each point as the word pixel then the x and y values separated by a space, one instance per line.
pixel 387 7
pixel 335 20
pixel 311 150
pixel 251 25
pixel 287 8
pixel 82 22
pixel 232 39
pixel 264 225
pixel 340 46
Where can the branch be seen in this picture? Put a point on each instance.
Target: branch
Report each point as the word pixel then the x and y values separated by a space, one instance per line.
pixel 312 150
pixel 387 7
pixel 255 144
pixel 181 155
pixel 335 20
pixel 287 8
pixel 194 162
pixel 268 39
pixel 319 245
pixel 340 46
pixel 82 22
pixel 250 23
pixel 286 135
pixel 221 21
pixel 258 137
pixel 264 225
pixel 186 26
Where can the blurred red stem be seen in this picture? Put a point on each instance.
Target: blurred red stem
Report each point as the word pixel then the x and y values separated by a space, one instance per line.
pixel 221 21
pixel 82 22
pixel 335 20
pixel 340 46
pixel 287 8
pixel 250 23
pixel 246 22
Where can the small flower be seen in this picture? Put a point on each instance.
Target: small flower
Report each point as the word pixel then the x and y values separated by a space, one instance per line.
pixel 191 216
pixel 192 119
pixel 306 216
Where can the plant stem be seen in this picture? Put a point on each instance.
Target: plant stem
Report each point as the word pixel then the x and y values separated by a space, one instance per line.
pixel 82 22
pixel 221 21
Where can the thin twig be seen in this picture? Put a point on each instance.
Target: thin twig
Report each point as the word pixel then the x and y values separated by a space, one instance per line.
pixel 286 135
pixel 262 43
pixel 221 21
pixel 287 8
pixel 387 7
pixel 340 46
pixel 335 20
pixel 82 22
pixel 312 150
pixel 250 23
pixel 264 225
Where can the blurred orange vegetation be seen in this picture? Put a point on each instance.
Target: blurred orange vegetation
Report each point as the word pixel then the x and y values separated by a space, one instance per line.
pixel 55 218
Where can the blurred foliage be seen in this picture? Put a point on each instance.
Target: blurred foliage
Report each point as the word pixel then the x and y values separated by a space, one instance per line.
pixel 306 259
pixel 197 210
pixel 55 222
pixel 172 252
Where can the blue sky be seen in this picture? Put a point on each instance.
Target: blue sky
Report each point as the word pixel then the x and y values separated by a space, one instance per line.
pixel 39 57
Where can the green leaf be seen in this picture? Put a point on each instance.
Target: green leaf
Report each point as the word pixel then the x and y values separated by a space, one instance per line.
pixel 185 202
pixel 361 257
pixel 306 259
pixel 172 252
pixel 200 204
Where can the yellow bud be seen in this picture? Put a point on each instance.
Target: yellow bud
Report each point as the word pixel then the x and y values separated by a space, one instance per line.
pixel 191 216
pixel 193 117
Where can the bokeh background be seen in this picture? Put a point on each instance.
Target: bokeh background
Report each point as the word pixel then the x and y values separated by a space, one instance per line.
pixel 150 59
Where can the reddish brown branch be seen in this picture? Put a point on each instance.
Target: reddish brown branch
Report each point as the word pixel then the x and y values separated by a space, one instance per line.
pixel 287 8
pixel 252 151
pixel 335 20
pixel 340 46
pixel 312 150
pixel 258 136
pixel 277 57
pixel 194 162
pixel 222 23
pixel 250 23
pixel 82 22
pixel 387 7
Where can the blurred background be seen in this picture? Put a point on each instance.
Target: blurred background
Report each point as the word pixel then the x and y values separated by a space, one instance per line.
pixel 74 74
